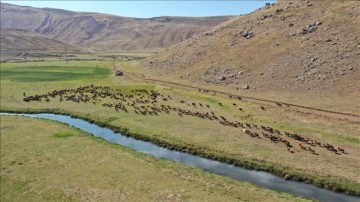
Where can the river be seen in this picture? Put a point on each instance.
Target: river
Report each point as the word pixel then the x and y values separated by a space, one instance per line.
pixel 258 178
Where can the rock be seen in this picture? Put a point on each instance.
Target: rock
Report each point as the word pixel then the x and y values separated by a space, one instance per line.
pixel 245 87
pixel 240 72
pixel 247 33
pixel 291 24
pixel 263 17
pixel 329 40
pixel 249 36
pixel 351 68
pixel 244 33
pixel 311 28
pixel 278 11
pixel 222 78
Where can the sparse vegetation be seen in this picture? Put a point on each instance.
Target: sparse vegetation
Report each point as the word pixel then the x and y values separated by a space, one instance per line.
pixel 62 135
pixel 104 33
pixel 278 62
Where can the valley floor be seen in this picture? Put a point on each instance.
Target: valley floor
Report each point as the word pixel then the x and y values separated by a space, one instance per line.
pixel 289 141
pixel 47 161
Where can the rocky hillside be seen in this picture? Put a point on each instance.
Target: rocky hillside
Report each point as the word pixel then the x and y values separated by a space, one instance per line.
pixel 290 46
pixel 104 32
pixel 18 43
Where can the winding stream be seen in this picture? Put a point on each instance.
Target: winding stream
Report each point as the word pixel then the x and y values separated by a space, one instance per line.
pixel 259 178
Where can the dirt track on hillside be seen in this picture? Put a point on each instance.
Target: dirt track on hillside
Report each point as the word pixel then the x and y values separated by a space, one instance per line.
pixel 353 118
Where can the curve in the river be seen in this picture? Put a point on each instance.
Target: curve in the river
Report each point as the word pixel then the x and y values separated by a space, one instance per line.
pixel 259 178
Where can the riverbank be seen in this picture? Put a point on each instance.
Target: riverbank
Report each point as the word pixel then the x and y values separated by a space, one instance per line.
pixel 47 161
pixel 346 187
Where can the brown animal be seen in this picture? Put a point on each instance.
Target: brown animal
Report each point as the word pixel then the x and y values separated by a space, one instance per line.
pixel 246 131
pixel 302 147
pixel 311 150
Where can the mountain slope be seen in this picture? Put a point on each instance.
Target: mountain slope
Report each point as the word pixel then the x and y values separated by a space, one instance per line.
pixel 105 32
pixel 22 43
pixel 303 47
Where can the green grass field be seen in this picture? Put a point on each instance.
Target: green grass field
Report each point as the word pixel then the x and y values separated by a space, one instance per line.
pixel 49 72
pixel 47 161
pixel 201 136
pixel 54 73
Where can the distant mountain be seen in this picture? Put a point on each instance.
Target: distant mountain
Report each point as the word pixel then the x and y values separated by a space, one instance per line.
pixel 290 47
pixel 18 43
pixel 103 32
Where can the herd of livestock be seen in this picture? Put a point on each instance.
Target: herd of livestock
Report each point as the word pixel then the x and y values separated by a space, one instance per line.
pixel 153 103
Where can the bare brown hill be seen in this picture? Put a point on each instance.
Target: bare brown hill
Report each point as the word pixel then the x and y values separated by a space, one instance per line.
pixel 104 32
pixel 17 43
pixel 298 49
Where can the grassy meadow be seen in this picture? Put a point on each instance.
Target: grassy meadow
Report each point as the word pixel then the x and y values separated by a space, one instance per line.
pixel 188 133
pixel 52 73
pixel 47 161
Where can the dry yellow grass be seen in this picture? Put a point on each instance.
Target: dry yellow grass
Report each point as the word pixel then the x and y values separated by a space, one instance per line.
pixel 47 161
pixel 317 69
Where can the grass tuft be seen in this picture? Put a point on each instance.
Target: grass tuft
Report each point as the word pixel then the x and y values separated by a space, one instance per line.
pixel 62 135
